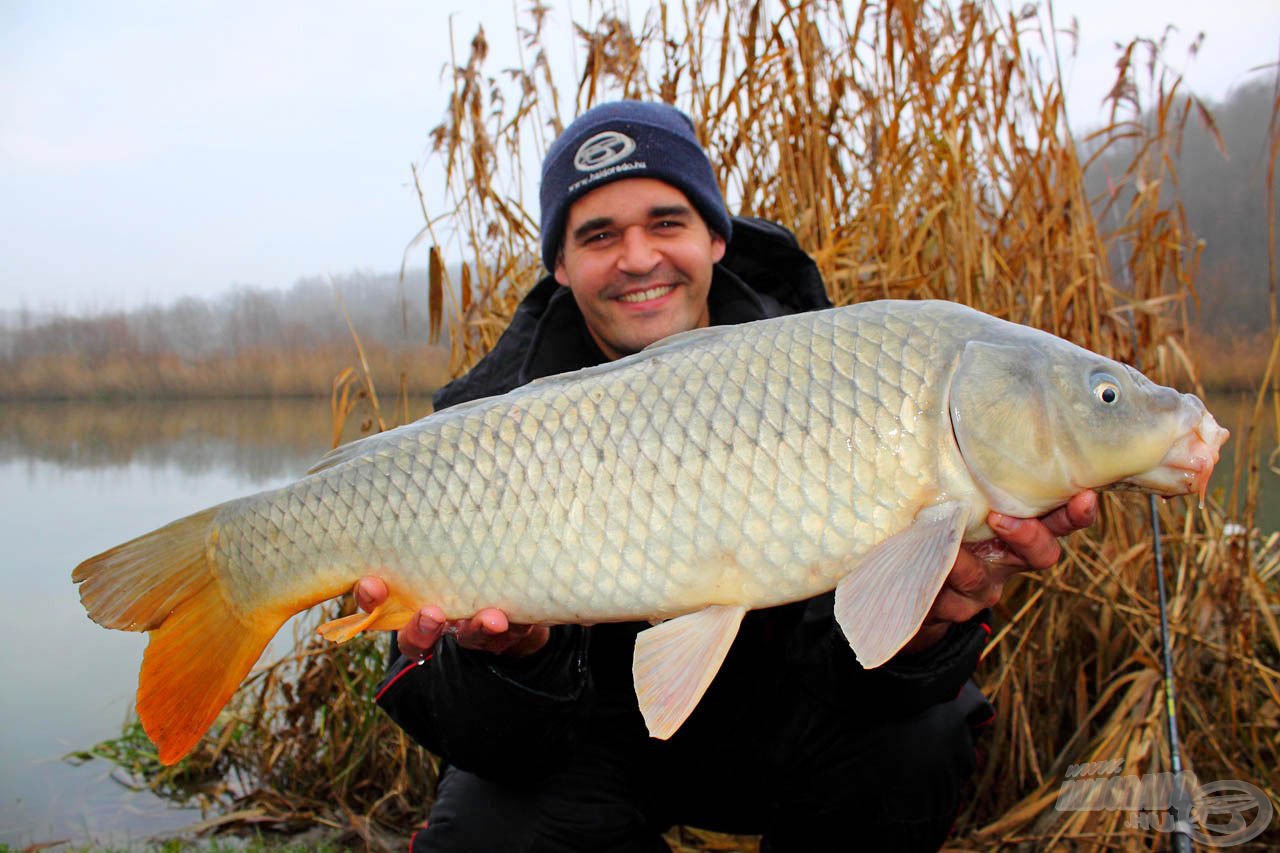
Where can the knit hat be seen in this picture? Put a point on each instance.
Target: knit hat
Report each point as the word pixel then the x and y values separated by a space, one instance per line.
pixel 626 139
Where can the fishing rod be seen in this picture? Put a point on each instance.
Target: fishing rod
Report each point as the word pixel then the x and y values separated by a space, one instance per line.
pixel 1180 808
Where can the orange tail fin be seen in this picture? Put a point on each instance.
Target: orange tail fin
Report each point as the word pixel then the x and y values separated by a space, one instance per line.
pixel 201 648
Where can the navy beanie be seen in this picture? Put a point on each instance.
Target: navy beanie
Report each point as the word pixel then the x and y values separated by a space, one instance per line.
pixel 626 139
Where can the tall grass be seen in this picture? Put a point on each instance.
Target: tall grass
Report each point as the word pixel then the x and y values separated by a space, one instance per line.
pixel 917 149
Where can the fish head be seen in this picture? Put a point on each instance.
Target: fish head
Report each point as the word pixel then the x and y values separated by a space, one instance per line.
pixel 1038 419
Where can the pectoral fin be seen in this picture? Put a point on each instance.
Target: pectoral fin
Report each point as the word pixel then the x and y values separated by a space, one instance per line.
pixel 881 604
pixel 675 662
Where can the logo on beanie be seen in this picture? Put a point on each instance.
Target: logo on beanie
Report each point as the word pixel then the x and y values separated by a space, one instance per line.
pixel 603 149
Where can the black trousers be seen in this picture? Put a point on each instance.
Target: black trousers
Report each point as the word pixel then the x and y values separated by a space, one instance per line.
pixel 818 783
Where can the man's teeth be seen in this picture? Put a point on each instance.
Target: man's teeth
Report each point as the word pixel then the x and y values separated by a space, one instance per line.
pixel 646 295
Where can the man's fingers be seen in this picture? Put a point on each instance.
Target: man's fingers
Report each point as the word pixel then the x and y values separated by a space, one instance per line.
pixel 1079 512
pixel 421 633
pixel 493 621
pixel 977 579
pixel 432 618
pixel 972 585
pixel 488 631
pixel 370 592
pixel 969 576
pixel 951 606
pixel 1029 538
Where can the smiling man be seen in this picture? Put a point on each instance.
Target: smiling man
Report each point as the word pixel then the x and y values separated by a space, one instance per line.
pixel 544 744
pixel 638 259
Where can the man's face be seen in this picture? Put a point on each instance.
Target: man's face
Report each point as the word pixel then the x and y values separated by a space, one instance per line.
pixel 638 258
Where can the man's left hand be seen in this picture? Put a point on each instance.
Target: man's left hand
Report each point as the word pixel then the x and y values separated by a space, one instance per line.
pixel 977 580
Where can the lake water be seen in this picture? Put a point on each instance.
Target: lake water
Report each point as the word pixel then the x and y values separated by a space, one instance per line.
pixel 79 478
pixel 76 479
pixel 1235 412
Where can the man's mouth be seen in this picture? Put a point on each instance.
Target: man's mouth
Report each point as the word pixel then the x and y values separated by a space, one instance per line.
pixel 656 292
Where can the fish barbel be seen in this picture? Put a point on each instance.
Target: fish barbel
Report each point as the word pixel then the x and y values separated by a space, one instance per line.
pixel 717 471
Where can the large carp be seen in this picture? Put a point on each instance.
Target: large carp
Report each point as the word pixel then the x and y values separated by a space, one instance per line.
pixel 719 470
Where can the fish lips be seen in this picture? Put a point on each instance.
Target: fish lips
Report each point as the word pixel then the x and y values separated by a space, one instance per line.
pixel 1189 462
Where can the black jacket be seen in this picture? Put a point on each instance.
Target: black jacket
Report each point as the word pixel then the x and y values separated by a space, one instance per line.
pixel 510 718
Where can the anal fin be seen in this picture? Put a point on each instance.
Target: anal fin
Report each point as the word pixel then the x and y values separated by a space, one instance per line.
pixel 391 615
pixel 882 602
pixel 675 662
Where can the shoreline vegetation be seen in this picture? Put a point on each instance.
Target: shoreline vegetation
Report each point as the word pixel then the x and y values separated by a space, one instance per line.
pixel 246 343
pixel 253 373
pixel 917 151
pixel 1225 362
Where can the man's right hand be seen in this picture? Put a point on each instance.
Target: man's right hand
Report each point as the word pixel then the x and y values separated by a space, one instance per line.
pixel 488 631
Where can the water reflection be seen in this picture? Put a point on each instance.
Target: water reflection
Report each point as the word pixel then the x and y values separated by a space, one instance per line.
pixel 76 479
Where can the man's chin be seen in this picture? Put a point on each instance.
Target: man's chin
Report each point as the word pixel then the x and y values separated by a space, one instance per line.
pixel 656 332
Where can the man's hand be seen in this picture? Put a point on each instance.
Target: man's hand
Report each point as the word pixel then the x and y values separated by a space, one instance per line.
pixel 977 580
pixel 488 631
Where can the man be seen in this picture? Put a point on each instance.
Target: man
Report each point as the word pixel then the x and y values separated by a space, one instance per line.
pixel 544 744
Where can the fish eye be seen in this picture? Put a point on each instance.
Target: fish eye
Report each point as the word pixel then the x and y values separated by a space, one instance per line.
pixel 1106 389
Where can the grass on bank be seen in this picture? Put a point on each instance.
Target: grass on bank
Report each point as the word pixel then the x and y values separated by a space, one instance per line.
pixel 917 150
pixel 253 373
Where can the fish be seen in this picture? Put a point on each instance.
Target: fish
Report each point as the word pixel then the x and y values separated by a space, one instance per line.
pixel 717 471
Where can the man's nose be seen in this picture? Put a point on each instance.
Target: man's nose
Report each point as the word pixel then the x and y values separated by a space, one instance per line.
pixel 639 254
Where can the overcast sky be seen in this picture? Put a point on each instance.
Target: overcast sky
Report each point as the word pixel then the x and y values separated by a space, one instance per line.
pixel 150 150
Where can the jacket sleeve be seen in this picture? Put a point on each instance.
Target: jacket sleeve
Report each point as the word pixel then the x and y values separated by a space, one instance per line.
pixel 906 684
pixel 493 715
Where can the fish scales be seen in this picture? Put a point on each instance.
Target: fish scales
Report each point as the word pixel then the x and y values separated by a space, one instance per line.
pixel 720 470
pixel 621 494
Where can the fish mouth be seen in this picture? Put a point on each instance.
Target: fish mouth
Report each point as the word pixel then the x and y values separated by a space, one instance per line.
pixel 1188 464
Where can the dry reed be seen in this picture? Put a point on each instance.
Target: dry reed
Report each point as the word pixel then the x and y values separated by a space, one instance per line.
pixel 917 150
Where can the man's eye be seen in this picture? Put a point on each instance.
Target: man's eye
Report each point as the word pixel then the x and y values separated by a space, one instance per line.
pixel 670 223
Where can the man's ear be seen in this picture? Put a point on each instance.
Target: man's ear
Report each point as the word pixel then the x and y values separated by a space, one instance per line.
pixel 561 274
pixel 717 248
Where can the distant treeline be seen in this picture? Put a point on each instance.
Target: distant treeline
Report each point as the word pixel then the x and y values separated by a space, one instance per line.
pixel 1225 200
pixel 249 342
